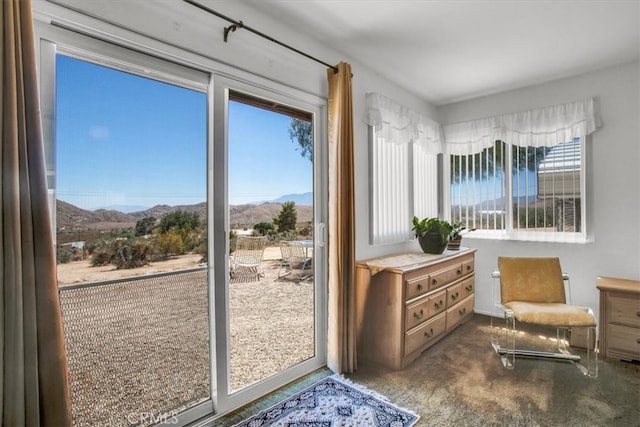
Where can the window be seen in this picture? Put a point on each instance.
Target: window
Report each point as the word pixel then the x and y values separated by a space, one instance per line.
pixel 545 198
pixel 404 169
pixel 521 175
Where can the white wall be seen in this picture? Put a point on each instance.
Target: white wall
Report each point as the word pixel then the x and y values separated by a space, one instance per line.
pixel 613 183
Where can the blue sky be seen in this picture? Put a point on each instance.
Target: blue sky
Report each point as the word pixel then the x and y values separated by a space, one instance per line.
pixel 124 140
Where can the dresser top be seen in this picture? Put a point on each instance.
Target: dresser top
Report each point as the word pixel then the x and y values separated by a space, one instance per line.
pixel 617 284
pixel 408 261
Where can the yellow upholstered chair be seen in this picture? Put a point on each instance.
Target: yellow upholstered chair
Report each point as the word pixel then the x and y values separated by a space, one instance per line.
pixel 532 290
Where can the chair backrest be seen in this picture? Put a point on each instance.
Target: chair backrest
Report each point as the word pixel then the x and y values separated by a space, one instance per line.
pixel 293 252
pixel 531 280
pixel 249 250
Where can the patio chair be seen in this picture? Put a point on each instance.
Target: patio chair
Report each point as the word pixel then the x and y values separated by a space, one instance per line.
pixel 532 290
pixel 294 256
pixel 246 259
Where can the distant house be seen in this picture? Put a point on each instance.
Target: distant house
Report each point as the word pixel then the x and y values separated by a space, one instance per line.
pixel 559 180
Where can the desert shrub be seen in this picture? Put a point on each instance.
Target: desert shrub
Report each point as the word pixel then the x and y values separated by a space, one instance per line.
pixel 264 228
pixel 202 248
pixel 130 253
pixel 179 220
pixel 306 230
pixel 63 257
pixel 144 226
pixel 101 255
pixel 169 243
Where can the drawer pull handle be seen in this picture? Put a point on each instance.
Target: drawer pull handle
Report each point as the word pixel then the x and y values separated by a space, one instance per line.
pixel 638 313
pixel 468 268
pixel 429 334
pixel 462 311
pixel 638 341
pixel 454 296
pixel 419 286
pixel 418 315
pixel 434 282
pixel 438 304
pixel 458 271
pixel 468 288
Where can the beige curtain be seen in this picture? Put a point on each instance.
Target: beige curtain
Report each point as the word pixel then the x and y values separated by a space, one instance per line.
pixel 342 356
pixel 33 383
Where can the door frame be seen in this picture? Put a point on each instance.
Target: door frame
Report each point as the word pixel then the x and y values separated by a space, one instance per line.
pixel 222 85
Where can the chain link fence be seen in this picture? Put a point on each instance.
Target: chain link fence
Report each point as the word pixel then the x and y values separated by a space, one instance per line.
pixel 138 348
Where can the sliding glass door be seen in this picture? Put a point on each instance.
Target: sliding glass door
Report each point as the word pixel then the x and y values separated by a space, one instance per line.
pixel 189 212
pixel 267 197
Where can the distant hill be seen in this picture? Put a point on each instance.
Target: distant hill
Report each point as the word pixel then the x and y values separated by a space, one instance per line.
pixel 69 216
pixel 300 199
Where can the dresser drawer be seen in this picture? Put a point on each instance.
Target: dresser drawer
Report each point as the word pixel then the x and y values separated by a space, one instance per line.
pixel 444 277
pixel 460 291
pixel 416 286
pixel 467 266
pixel 624 339
pixel 427 307
pixel 624 311
pixel 459 312
pixel 423 334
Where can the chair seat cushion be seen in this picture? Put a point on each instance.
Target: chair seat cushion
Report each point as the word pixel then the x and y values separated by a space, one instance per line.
pixel 553 314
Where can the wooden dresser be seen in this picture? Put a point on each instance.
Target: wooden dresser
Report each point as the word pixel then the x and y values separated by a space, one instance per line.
pixel 619 318
pixel 408 302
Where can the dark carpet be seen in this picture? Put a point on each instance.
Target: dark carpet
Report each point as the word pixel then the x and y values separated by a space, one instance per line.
pixel 460 381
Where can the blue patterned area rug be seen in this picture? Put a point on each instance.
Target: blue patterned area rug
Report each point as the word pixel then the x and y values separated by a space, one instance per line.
pixel 333 402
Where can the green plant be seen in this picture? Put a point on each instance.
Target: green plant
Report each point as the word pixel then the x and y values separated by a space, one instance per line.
pixel 458 230
pixel 424 226
pixel 287 218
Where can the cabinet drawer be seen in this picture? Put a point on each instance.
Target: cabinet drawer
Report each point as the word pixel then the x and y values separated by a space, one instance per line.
pixel 460 291
pixel 624 339
pixel 467 287
pixel 416 286
pixel 425 308
pixel 624 311
pixel 443 277
pixel 421 335
pixel 459 312
pixel 467 266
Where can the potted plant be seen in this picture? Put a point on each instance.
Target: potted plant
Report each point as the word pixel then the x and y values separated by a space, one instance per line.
pixel 455 236
pixel 432 234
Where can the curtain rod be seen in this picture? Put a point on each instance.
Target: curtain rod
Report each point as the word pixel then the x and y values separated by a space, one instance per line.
pixel 239 24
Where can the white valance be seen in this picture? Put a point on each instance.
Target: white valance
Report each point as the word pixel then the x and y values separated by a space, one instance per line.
pixel 398 124
pixel 539 127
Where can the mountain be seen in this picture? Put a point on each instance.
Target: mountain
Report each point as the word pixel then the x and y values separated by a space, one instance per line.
pixel 300 199
pixel 69 216
pixel 123 208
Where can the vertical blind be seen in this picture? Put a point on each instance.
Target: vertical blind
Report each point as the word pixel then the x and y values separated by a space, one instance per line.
pixel 404 172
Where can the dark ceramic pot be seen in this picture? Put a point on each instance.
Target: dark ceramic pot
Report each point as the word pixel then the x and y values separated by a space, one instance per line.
pixel 432 243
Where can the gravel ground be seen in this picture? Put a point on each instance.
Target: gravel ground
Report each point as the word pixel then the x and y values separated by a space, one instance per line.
pixel 139 348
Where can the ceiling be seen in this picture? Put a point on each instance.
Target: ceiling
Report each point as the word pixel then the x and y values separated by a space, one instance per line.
pixel 448 51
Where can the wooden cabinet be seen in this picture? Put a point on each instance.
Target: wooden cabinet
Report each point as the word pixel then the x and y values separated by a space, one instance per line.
pixel 408 302
pixel 619 318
